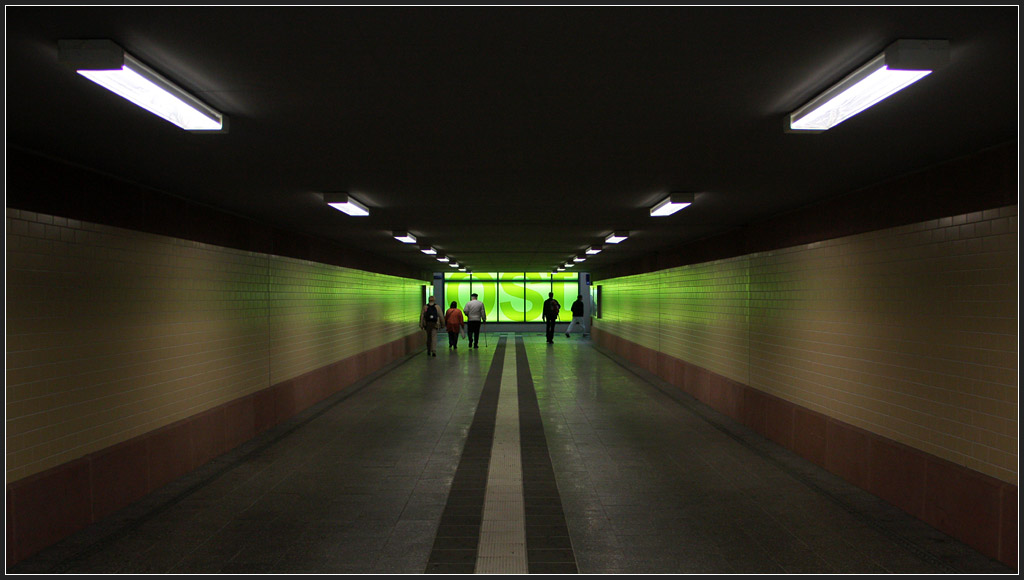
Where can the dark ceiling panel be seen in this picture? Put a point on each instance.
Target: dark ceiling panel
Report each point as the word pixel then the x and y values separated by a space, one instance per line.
pixel 511 137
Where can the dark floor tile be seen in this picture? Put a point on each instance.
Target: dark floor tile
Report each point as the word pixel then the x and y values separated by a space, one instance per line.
pixel 450 568
pixel 452 556
pixel 553 568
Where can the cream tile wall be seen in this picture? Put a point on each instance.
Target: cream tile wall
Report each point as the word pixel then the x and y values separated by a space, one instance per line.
pixel 112 333
pixel 909 332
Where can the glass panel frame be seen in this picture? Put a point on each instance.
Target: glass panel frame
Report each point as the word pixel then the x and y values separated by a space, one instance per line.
pixel 513 296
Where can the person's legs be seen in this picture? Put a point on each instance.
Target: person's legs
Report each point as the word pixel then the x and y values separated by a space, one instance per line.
pixel 576 322
pixel 432 341
pixel 473 328
pixel 550 327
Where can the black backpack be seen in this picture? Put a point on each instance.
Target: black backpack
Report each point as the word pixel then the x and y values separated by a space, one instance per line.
pixel 551 307
pixel 431 314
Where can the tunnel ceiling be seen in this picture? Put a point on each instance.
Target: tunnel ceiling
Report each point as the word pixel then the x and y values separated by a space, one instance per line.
pixel 510 138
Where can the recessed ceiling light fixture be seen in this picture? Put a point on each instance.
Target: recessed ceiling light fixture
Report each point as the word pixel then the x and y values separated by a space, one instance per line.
pixel 579 259
pixel 345 203
pixel 428 250
pixel 442 258
pixel 901 64
pixel 594 250
pixel 109 66
pixel 672 204
pixel 616 237
pixel 404 237
pixel 454 265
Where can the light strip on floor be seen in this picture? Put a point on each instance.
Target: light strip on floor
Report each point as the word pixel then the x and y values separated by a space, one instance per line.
pixel 109 66
pixel 502 546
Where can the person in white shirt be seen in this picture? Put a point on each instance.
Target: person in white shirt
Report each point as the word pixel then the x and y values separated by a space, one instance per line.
pixel 475 315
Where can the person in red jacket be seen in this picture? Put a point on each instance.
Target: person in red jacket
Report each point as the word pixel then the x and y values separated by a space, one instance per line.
pixel 453 321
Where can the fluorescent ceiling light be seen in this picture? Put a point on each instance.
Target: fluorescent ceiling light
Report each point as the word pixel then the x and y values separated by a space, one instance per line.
pixel 346 203
pixel 594 250
pixel 109 66
pixel 901 64
pixel 672 204
pixel 454 265
pixel 461 269
pixel 560 269
pixel 579 259
pixel 570 264
pixel 404 237
pixel 616 237
pixel 442 259
pixel 428 250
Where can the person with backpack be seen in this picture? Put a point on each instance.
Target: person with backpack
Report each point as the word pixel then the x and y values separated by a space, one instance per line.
pixel 431 321
pixel 551 308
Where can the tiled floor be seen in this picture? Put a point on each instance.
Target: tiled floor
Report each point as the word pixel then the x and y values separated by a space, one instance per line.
pixel 644 480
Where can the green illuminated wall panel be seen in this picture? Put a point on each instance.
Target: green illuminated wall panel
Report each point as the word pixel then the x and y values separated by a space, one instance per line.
pixel 513 296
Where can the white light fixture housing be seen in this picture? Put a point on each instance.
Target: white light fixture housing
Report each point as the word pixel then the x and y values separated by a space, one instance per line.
pixel 672 204
pixel 560 269
pixel 404 237
pixel 616 237
pixel 454 265
pixel 462 268
pixel 345 203
pixel 442 258
pixel 108 65
pixel 901 64
pixel 594 250
pixel 570 265
pixel 428 250
pixel 579 259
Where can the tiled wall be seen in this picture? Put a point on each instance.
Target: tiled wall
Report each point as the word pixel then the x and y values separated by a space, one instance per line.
pixel 114 333
pixel 889 358
pixel 909 333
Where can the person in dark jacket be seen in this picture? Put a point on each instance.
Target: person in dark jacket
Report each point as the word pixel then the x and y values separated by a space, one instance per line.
pixel 577 316
pixel 551 308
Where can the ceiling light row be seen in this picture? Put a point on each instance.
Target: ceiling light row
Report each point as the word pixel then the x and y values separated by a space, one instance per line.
pixel 666 207
pixel 407 238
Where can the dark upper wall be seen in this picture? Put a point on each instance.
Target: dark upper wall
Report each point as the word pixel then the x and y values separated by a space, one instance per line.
pixel 42 185
pixel 982 181
pixel 985 180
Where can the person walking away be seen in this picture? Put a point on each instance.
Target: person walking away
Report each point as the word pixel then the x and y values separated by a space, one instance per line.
pixel 577 316
pixel 453 322
pixel 551 308
pixel 475 315
pixel 430 321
